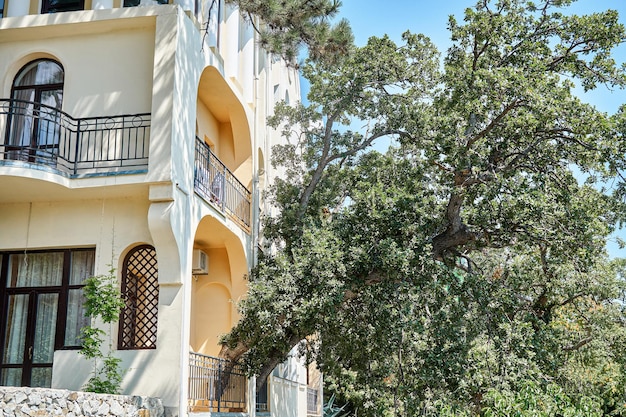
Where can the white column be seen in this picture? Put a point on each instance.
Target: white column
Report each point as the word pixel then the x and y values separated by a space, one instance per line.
pixel 252 396
pixel 230 41
pixel 247 56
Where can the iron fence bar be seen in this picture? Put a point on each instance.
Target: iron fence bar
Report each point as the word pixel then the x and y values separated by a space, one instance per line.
pixel 76 153
pixel 219 386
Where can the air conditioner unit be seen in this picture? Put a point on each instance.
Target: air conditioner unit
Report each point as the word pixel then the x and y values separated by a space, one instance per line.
pixel 199 263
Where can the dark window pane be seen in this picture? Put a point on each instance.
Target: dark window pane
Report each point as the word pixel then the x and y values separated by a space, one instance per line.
pixel 1 8
pixel 131 3
pixel 11 377
pixel 41 377
pixel 55 6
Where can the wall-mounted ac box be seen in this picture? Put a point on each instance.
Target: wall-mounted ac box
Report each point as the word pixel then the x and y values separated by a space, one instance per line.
pixel 199 263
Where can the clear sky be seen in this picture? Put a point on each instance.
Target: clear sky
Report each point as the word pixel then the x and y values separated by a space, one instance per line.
pixel 430 17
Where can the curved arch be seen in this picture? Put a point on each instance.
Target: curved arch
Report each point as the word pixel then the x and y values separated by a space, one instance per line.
pixel 216 239
pixel 18 64
pixel 230 125
pixel 211 317
pixel 214 295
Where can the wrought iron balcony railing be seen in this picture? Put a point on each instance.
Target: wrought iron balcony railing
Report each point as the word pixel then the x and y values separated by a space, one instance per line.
pixel 40 134
pixel 214 386
pixel 215 183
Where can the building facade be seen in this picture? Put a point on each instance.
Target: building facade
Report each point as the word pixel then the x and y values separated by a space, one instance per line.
pixel 133 138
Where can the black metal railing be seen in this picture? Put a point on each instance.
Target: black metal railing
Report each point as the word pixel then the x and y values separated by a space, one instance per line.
pixel 215 183
pixel 312 401
pixel 37 133
pixel 216 386
pixel 262 396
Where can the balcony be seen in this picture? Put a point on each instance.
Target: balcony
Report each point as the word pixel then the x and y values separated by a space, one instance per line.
pixel 217 185
pixel 38 134
pixel 214 386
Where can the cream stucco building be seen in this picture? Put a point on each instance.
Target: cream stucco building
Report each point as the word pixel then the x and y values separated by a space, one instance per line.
pixel 133 137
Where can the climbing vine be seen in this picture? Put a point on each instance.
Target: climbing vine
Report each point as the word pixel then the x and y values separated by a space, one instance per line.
pixel 103 301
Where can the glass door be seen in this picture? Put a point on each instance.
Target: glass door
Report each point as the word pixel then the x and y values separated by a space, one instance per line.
pixel 33 287
pixel 29 340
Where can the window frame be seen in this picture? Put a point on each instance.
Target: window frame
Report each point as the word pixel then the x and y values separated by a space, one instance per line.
pixel 63 291
pixel 38 90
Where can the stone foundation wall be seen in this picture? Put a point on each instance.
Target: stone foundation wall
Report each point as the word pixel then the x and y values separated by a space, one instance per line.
pixel 44 402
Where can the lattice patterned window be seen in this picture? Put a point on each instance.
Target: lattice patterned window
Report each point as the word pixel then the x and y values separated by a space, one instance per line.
pixel 140 289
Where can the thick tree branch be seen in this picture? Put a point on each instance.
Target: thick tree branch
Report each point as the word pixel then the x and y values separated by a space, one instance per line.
pixel 493 123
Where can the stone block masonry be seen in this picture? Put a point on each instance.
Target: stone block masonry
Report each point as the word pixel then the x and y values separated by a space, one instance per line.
pixel 45 402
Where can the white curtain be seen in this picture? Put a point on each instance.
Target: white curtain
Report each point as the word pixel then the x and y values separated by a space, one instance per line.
pixel 16 329
pixel 82 268
pixel 36 269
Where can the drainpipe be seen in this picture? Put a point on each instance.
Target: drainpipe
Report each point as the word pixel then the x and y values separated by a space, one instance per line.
pixel 255 194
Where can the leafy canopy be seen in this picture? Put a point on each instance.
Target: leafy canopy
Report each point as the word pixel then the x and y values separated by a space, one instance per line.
pixel 286 25
pixel 463 271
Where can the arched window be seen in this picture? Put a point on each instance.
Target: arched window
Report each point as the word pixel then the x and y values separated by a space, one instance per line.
pixel 140 290
pixel 35 113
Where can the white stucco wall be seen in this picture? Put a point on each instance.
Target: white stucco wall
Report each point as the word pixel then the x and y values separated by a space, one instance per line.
pixel 131 60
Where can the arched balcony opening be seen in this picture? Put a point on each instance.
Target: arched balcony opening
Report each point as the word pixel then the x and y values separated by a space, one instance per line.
pixel 223 148
pixel 218 281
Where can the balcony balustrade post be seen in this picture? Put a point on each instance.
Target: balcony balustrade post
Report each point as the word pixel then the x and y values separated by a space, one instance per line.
pixel 77 147
pixel 219 386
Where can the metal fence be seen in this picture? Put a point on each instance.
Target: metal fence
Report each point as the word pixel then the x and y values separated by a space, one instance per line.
pixel 312 401
pixel 37 133
pixel 215 183
pixel 216 386
pixel 262 396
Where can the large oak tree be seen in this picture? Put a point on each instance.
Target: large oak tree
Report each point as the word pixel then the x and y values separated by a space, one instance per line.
pixel 464 271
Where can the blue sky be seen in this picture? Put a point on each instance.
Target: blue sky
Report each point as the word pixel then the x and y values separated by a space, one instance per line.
pixel 429 17
pixel 393 17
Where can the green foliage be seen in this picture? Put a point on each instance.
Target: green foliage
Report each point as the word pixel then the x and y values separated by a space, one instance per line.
pixel 286 25
pixel 103 301
pixel 532 400
pixel 102 297
pixel 464 271
pixel 107 378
